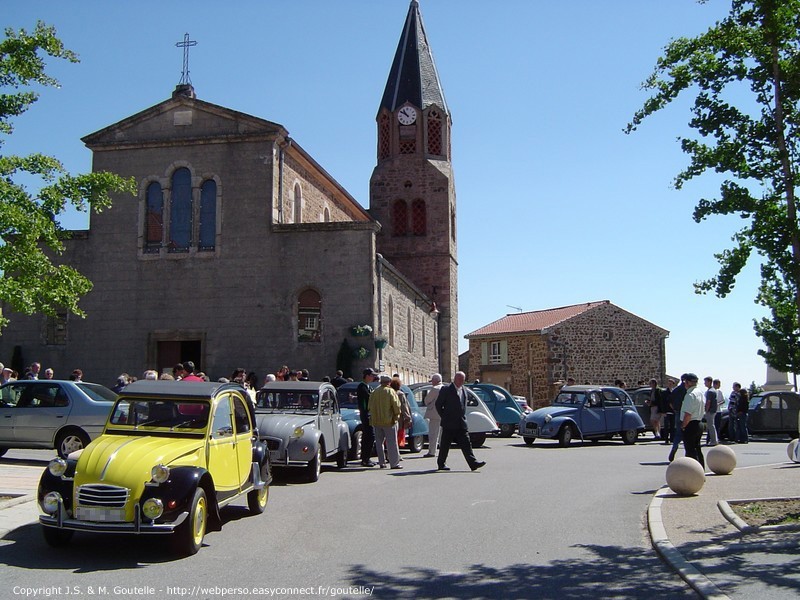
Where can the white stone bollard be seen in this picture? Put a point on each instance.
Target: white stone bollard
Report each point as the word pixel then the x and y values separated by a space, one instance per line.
pixel 721 460
pixel 685 476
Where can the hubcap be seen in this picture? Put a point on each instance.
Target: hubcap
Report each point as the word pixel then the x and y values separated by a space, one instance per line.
pixel 200 521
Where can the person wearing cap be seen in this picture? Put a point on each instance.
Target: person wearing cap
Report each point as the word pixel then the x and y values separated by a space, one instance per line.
pixel 367 434
pixel 675 400
pixel 6 375
pixel 452 407
pixel 432 416
pixel 692 410
pixel 384 413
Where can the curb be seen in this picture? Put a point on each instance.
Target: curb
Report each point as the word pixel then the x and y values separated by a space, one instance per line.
pixel 16 499
pixel 727 512
pixel 663 546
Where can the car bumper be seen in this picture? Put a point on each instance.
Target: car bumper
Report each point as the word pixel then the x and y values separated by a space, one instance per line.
pixel 528 429
pixel 61 520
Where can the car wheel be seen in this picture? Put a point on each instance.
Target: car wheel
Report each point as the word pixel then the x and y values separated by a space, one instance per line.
pixel 189 535
pixel 565 436
pixel 529 440
pixel 257 499
pixel 506 429
pixel 355 450
pixel 3 451
pixel 314 466
pixel 477 439
pixel 416 444
pixel 57 538
pixel 629 436
pixel 71 440
pixel 341 459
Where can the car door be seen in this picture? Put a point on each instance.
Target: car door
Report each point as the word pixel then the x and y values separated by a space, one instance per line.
pixel 42 409
pixel 790 407
pixel 612 404
pixel 768 413
pixel 327 421
pixel 592 416
pixel 9 396
pixel 243 434
pixel 223 460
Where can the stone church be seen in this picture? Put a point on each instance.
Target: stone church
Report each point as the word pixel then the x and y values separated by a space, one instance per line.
pixel 240 249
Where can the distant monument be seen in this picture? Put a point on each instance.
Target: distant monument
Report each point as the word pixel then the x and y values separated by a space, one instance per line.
pixel 777 381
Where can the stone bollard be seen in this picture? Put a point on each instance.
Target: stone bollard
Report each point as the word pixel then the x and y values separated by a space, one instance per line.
pixel 685 476
pixel 721 460
pixel 791 450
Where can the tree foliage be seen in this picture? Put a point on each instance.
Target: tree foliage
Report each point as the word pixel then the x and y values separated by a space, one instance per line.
pixel 29 231
pixel 744 74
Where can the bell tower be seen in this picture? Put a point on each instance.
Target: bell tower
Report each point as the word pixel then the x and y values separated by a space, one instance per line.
pixel 412 192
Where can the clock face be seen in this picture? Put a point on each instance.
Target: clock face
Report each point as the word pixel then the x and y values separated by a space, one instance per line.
pixel 407 115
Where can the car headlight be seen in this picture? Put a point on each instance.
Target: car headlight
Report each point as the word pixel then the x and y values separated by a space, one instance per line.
pixel 298 432
pixel 57 467
pixel 548 418
pixel 152 508
pixel 159 473
pixel 50 502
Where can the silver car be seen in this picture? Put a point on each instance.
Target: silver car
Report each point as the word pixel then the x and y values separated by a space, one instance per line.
pixel 50 413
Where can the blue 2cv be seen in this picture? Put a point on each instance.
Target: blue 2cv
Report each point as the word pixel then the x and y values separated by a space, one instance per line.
pixel 588 412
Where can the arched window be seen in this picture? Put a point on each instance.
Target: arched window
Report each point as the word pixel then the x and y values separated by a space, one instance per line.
pixel 208 215
pixel 309 316
pixel 326 215
pixel 400 218
pixel 419 218
pixel 298 204
pixel 154 219
pixel 435 133
pixel 180 216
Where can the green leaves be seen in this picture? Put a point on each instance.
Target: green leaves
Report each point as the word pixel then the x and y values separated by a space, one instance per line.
pixel 30 236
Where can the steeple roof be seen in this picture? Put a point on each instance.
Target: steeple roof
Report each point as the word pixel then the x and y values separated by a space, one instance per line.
pixel 413 77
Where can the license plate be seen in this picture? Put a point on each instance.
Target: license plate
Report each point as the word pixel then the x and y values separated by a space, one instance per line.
pixel 106 515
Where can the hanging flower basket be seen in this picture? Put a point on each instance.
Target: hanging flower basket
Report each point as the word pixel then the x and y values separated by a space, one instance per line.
pixel 381 342
pixel 361 352
pixel 361 330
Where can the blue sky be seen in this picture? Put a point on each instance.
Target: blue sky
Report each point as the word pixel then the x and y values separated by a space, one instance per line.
pixel 556 205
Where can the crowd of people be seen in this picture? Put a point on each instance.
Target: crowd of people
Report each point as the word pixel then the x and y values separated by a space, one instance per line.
pixel 34 371
pixel 677 414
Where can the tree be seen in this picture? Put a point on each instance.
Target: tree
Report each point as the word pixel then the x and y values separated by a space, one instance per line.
pixel 744 73
pixel 29 232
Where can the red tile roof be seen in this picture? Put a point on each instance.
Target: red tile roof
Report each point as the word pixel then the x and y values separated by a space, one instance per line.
pixel 536 320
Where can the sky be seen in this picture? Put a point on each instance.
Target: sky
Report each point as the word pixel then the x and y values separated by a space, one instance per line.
pixel 556 204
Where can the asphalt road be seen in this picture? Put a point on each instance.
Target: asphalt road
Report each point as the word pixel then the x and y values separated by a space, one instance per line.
pixel 540 522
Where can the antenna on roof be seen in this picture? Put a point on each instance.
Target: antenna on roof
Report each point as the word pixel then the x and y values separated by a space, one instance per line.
pixel 517 308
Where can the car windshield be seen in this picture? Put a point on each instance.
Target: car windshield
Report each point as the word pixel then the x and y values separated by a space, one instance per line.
pixel 571 398
pixel 160 413
pixel 97 392
pixel 287 401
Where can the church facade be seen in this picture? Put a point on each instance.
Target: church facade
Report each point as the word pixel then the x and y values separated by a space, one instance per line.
pixel 241 250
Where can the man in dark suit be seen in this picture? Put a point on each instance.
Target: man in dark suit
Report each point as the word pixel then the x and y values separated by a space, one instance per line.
pixel 452 407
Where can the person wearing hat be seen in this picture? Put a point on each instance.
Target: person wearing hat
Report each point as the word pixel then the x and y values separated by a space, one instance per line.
pixel 692 410
pixel 384 412
pixel 432 416
pixel 367 434
pixel 6 375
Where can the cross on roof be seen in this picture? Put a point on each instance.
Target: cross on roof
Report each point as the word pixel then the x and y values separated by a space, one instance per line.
pixel 186 44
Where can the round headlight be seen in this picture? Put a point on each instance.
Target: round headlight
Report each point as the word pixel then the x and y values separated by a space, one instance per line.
pixel 298 431
pixel 548 418
pixel 159 473
pixel 50 502
pixel 152 508
pixel 57 467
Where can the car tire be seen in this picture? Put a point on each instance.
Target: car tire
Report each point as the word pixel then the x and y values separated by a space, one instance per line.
pixel 477 439
pixel 189 535
pixel 506 429
pixel 57 538
pixel 629 436
pixel 565 436
pixel 257 499
pixel 314 466
pixel 355 449
pixel 71 440
pixel 415 444
pixel 529 440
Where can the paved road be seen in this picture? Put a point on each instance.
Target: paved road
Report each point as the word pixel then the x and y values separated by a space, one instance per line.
pixel 541 522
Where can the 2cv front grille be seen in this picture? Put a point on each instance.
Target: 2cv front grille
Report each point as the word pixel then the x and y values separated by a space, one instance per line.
pixel 105 496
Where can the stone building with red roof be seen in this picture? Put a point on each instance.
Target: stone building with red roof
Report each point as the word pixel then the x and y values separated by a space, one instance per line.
pixel 533 353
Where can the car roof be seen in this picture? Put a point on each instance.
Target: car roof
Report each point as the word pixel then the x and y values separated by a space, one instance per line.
pixel 588 388
pixel 296 386
pixel 176 389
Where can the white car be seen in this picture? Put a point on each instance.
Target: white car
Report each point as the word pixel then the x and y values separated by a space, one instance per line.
pixel 480 421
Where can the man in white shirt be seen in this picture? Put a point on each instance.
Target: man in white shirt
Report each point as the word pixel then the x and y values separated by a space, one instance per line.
pixel 692 410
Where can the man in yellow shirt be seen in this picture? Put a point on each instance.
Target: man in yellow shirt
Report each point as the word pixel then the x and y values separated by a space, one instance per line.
pixel 384 413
